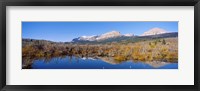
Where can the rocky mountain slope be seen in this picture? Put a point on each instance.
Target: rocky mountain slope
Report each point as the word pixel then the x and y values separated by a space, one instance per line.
pixel 112 34
pixel 116 34
pixel 108 35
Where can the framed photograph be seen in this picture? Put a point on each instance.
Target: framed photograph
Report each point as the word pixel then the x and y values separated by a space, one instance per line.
pixel 99 45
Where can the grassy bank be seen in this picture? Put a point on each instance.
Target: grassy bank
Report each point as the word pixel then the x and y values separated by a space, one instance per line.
pixel 165 49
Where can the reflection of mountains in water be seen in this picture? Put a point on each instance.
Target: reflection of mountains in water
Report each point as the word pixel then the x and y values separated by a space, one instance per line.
pixel 27 63
pixel 110 60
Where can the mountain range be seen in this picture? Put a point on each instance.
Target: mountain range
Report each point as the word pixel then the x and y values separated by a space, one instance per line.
pixel 104 36
pixel 117 35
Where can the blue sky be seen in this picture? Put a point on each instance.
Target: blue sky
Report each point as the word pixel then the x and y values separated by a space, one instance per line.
pixel 66 31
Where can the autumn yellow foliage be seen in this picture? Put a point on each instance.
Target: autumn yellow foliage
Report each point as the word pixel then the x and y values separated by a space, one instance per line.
pixel 152 50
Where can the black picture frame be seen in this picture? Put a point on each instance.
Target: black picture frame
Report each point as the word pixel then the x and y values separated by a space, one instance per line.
pixel 4 3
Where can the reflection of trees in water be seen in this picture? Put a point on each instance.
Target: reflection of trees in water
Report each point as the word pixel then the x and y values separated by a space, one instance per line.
pixel 27 62
pixel 77 59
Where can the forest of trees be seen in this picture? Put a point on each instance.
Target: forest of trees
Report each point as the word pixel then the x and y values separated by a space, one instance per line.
pixel 163 49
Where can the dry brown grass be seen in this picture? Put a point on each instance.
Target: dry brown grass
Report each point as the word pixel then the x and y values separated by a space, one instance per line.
pixel 154 50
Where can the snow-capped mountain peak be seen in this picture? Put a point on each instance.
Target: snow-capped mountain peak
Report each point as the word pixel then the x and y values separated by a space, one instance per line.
pixel 99 37
pixel 154 31
pixel 128 35
pixel 88 38
pixel 109 35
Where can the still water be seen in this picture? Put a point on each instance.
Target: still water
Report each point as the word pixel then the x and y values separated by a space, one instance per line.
pixel 96 63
